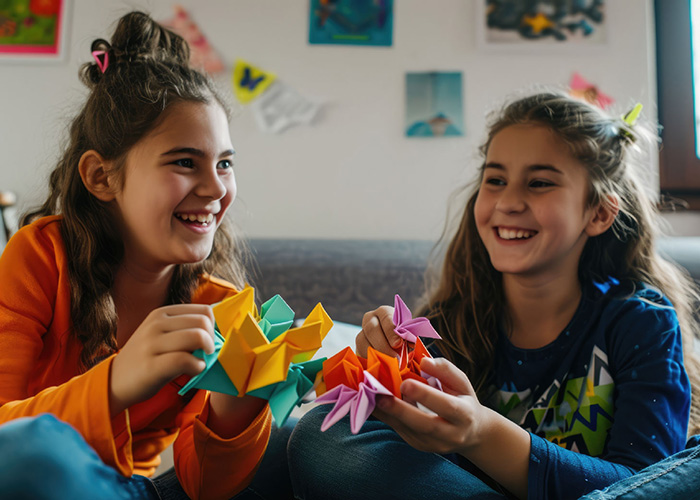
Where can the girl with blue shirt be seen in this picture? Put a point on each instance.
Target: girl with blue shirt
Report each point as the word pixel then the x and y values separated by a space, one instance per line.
pixel 566 339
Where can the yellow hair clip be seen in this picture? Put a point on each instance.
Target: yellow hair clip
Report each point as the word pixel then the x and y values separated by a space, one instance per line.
pixel 631 117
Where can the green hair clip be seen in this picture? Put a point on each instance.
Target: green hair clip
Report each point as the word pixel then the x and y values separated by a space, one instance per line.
pixel 630 118
pixel 632 115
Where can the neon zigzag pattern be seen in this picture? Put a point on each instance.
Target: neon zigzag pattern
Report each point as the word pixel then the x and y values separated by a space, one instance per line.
pixel 576 415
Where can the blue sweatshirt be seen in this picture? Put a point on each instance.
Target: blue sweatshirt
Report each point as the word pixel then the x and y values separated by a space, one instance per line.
pixel 608 397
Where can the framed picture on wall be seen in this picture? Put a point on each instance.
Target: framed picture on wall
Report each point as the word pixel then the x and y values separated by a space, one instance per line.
pixel 33 30
pixel 434 104
pixel 351 22
pixel 541 24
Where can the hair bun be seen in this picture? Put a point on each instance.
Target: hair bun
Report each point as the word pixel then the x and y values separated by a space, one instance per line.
pixel 138 36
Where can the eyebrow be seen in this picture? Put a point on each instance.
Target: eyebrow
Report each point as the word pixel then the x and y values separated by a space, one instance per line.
pixel 531 168
pixel 197 152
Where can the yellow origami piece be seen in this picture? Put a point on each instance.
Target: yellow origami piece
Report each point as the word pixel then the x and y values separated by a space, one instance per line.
pixel 249 358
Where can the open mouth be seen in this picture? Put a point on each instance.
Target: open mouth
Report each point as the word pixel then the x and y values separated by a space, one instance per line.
pixel 515 234
pixel 203 220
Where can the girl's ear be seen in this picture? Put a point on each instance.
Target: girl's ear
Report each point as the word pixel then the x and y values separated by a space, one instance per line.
pixel 94 172
pixel 603 216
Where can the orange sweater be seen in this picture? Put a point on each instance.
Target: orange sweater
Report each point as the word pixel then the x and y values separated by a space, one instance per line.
pixel 39 374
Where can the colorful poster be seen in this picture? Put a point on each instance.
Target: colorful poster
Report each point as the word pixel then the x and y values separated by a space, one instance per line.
pixel 32 29
pixel 434 104
pixel 543 21
pixel 351 22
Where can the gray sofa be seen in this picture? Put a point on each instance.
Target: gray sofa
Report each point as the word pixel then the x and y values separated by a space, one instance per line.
pixel 351 277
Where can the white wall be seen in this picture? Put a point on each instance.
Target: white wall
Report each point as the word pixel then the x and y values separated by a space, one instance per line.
pixel 352 174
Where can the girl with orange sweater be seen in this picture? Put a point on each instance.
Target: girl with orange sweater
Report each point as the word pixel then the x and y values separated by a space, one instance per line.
pixel 106 292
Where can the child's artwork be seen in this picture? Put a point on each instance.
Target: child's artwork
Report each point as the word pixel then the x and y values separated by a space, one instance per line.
pixel 351 22
pixel 434 104
pixel 583 89
pixel 250 82
pixel 542 21
pixel 32 29
pixel 202 55
pixel 352 383
pixel 258 353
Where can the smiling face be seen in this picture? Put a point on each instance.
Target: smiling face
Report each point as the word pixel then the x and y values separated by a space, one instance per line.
pixel 531 211
pixel 177 184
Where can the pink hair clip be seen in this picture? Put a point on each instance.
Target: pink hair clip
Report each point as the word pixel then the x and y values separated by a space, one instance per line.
pixel 101 58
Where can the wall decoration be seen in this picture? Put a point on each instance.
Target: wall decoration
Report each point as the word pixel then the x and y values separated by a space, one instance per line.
pixel 281 107
pixel 351 22
pixel 202 54
pixel 583 89
pixel 541 22
pixel 250 82
pixel 434 104
pixel 32 29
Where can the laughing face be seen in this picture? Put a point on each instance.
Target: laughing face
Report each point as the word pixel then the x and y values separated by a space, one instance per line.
pixel 177 186
pixel 531 211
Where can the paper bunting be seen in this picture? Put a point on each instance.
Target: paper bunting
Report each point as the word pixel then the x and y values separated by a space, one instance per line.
pixel 583 89
pixel 202 54
pixel 249 82
pixel 254 353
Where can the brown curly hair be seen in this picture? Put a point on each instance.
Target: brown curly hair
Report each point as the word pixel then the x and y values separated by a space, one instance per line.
pixel 148 72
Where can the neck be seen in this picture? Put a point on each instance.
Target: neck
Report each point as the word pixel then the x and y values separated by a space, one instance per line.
pixel 540 307
pixel 136 292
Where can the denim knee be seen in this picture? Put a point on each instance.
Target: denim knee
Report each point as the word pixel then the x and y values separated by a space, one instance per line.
pixel 33 445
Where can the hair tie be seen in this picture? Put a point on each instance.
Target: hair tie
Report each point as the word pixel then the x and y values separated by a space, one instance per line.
pixel 102 59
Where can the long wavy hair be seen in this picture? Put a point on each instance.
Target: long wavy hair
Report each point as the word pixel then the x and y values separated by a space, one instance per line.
pixel 148 72
pixel 466 295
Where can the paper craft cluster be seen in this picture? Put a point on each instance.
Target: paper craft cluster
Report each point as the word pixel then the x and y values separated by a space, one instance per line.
pixel 258 353
pixel 352 383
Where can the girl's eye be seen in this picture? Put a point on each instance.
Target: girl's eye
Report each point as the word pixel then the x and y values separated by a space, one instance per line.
pixel 225 164
pixel 495 181
pixel 184 162
pixel 541 184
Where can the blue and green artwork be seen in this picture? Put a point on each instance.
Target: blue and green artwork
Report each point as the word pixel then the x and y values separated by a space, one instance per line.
pixel 351 22
pixel 434 104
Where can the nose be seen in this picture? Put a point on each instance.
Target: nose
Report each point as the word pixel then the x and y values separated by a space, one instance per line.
pixel 210 184
pixel 512 199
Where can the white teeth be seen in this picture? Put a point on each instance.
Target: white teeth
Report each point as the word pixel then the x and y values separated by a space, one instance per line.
pixel 204 219
pixel 512 234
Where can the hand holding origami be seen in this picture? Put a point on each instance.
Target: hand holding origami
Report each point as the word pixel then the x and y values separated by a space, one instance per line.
pixel 353 383
pixel 260 355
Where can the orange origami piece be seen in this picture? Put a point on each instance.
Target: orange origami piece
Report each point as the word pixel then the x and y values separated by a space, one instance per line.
pixel 344 368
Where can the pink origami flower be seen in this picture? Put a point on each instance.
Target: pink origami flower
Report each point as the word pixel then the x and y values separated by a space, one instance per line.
pixel 409 328
pixel 358 403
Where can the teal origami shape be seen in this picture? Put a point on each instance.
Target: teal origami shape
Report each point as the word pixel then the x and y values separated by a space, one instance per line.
pixel 284 396
pixel 276 317
pixel 213 377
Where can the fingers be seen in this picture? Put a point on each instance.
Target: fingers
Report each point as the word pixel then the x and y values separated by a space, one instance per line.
pixel 186 340
pixel 453 380
pixel 174 364
pixel 403 416
pixel 378 332
pixel 447 406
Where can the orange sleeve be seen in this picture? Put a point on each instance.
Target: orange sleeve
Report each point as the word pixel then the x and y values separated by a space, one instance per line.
pixel 31 310
pixel 209 466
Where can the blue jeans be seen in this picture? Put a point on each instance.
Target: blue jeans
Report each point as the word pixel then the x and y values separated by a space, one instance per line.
pixel 44 458
pixel 377 464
